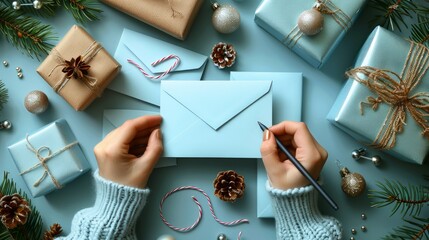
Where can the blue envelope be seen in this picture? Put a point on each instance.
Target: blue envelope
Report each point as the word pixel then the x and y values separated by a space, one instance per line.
pixel 287 102
pixel 214 119
pixel 145 50
pixel 114 118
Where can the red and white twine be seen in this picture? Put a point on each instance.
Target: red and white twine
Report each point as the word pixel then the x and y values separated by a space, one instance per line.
pixel 156 77
pixel 200 211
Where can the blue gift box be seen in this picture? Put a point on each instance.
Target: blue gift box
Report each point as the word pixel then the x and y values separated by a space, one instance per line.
pixel 287 105
pixel 386 51
pixel 279 18
pixel 49 158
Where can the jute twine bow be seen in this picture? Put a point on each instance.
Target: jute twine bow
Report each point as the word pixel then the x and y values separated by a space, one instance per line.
pixel 43 161
pixel 326 7
pixel 395 90
pixel 87 56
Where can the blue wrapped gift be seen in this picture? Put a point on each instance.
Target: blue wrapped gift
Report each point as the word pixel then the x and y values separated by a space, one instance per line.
pixel 49 158
pixel 384 92
pixel 279 18
pixel 287 102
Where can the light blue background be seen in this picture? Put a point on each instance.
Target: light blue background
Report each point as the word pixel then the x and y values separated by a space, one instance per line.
pixel 257 51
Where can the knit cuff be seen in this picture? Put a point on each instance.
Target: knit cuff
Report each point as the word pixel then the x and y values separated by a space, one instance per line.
pixel 118 202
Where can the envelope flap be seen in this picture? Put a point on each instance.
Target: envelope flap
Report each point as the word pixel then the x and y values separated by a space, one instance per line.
pixel 216 102
pixel 148 50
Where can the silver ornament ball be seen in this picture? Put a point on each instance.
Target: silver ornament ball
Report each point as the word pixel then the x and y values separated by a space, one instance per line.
pixel 16 5
pixel 363 216
pixel 352 184
pixel 37 4
pixel 363 228
pixel 166 237
pixel 358 153
pixel 353 231
pixel 225 19
pixel 5 63
pixel 221 237
pixel 36 102
pixel 6 125
pixel 310 22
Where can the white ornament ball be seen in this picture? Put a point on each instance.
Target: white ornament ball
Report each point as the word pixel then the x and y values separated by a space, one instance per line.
pixel 16 5
pixel 37 4
pixel 36 102
pixel 225 19
pixel 310 22
pixel 166 237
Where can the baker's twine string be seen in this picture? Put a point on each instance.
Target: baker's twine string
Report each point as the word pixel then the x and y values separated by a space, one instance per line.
pixel 200 211
pixel 157 77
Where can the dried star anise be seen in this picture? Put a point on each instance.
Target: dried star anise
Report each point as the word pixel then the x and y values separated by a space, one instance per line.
pixel 76 68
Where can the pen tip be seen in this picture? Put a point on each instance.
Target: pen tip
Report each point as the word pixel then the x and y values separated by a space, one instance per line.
pixel 262 126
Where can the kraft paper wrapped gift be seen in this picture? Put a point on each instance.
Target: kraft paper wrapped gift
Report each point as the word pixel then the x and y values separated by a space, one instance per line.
pixel 79 91
pixel 287 105
pixel 49 158
pixel 174 17
pixel 279 18
pixel 383 52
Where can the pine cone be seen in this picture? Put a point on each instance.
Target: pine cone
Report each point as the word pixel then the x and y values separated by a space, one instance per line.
pixel 229 186
pixel 54 231
pixel 223 55
pixel 14 210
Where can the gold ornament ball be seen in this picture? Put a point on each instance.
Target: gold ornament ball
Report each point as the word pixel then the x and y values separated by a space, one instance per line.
pixel 36 102
pixel 225 19
pixel 352 184
pixel 310 22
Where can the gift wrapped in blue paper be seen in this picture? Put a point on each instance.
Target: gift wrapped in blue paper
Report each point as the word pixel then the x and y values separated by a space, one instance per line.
pixel 280 18
pixel 49 158
pixel 385 102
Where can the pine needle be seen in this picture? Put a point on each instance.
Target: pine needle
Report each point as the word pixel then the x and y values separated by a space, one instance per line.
pixel 3 95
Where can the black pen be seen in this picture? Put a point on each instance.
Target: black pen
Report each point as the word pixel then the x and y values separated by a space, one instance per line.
pixel 303 171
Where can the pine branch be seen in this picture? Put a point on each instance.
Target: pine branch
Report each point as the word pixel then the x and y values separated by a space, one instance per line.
pixel 82 10
pixel 409 200
pixel 34 226
pixel 417 228
pixel 393 13
pixel 27 34
pixel 420 31
pixel 3 95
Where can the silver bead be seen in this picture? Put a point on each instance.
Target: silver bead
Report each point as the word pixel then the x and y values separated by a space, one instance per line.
pixel 6 125
pixel 20 75
pixel 357 153
pixel 225 19
pixel 352 238
pixel 16 5
pixel 310 22
pixel 221 237
pixel 37 4
pixel 363 216
pixel 363 228
pixel 5 63
pixel 166 237
pixel 18 69
pixel 353 231
pixel 376 160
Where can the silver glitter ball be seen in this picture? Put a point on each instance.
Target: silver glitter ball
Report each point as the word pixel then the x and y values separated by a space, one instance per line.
pixel 37 4
pixel 310 22
pixel 166 237
pixel 6 125
pixel 225 19
pixel 16 5
pixel 221 237
pixel 36 102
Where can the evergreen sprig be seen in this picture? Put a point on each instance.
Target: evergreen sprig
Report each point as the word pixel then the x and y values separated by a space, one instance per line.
pixel 3 95
pixel 82 10
pixel 397 14
pixel 34 226
pixel 28 34
pixel 409 200
pixel 417 228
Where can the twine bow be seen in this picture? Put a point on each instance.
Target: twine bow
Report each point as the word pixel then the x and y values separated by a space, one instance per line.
pixel 43 161
pixel 326 7
pixel 85 57
pixel 396 90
